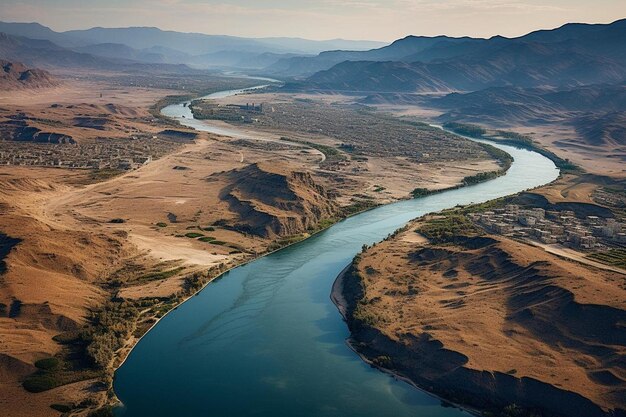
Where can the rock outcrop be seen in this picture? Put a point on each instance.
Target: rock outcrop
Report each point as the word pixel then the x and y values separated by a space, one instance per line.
pixel 274 201
pixel 15 75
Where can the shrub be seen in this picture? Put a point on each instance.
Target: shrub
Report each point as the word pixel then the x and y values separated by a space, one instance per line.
pixel 161 224
pixel 421 192
pixel 193 235
pixel 102 412
pixel 207 239
pixel 466 129
pixel 47 363
pixel 40 382
pixel 62 408
pixel 444 230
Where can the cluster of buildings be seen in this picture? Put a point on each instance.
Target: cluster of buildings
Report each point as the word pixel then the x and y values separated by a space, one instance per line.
pixel 551 227
pixel 246 113
pixel 103 154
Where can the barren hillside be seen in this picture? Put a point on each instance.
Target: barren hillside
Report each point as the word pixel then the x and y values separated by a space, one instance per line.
pixel 489 322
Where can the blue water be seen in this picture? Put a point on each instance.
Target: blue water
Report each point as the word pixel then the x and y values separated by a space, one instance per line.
pixel 265 339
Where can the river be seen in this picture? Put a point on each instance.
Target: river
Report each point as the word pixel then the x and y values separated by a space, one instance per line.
pixel 266 340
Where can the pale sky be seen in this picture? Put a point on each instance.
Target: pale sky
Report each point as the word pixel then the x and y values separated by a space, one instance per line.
pixel 384 20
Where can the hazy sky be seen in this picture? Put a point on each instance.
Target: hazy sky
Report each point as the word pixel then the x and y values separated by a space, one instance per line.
pixel 318 19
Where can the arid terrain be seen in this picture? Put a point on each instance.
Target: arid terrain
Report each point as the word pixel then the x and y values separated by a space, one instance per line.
pixel 470 314
pixel 111 216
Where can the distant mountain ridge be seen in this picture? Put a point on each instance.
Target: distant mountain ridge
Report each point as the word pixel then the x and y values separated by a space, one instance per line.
pixel 50 56
pixel 465 64
pixel 605 38
pixel 150 44
pixel 15 75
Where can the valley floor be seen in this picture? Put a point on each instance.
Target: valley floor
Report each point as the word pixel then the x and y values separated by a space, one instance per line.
pixel 97 256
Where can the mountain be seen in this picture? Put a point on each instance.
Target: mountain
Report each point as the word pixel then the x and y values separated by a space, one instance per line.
pixel 512 105
pixel 524 65
pixel 43 53
pixel 235 59
pixel 155 54
pixel 15 75
pixel 47 55
pixel 399 50
pixel 36 31
pixel 188 43
pixel 607 130
pixel 597 112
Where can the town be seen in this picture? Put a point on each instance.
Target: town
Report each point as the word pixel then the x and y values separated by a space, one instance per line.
pixel 118 154
pixel 550 227
pixel 245 113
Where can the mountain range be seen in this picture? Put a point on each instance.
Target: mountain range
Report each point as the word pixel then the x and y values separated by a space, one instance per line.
pixel 153 45
pixel 575 54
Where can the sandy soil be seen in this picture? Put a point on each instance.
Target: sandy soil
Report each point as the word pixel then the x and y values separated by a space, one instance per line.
pixel 69 248
pixel 473 300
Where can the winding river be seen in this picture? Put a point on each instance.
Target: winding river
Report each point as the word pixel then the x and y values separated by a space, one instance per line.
pixel 266 340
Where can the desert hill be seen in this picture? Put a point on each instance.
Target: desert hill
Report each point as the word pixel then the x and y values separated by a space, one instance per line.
pixel 513 104
pixel 604 130
pixel 490 322
pixel 273 201
pixel 15 75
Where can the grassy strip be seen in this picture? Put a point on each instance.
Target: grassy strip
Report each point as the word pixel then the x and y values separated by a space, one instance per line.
pixel 330 152
pixel 613 257
pixel 444 229
pixel 514 139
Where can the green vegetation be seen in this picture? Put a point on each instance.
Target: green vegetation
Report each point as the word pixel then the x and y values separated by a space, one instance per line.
pixel 161 224
pixel 110 327
pixel 99 175
pixel 359 205
pixel 206 239
pixel 48 364
pixel 155 109
pixel 330 152
pixel 193 235
pixel 473 131
pixel 447 228
pixel 102 412
pixel 421 192
pixel 209 229
pixel 156 276
pixel 526 142
pixel 504 158
pixel 516 136
pixel 56 371
pixel 324 224
pixel 383 361
pixel 614 257
pixel 40 382
pixel 481 177
pixel 512 138
pixel 286 241
pixel 62 408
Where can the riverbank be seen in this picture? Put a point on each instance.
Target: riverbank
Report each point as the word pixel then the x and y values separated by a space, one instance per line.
pixel 395 320
pixel 229 304
pixel 343 306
